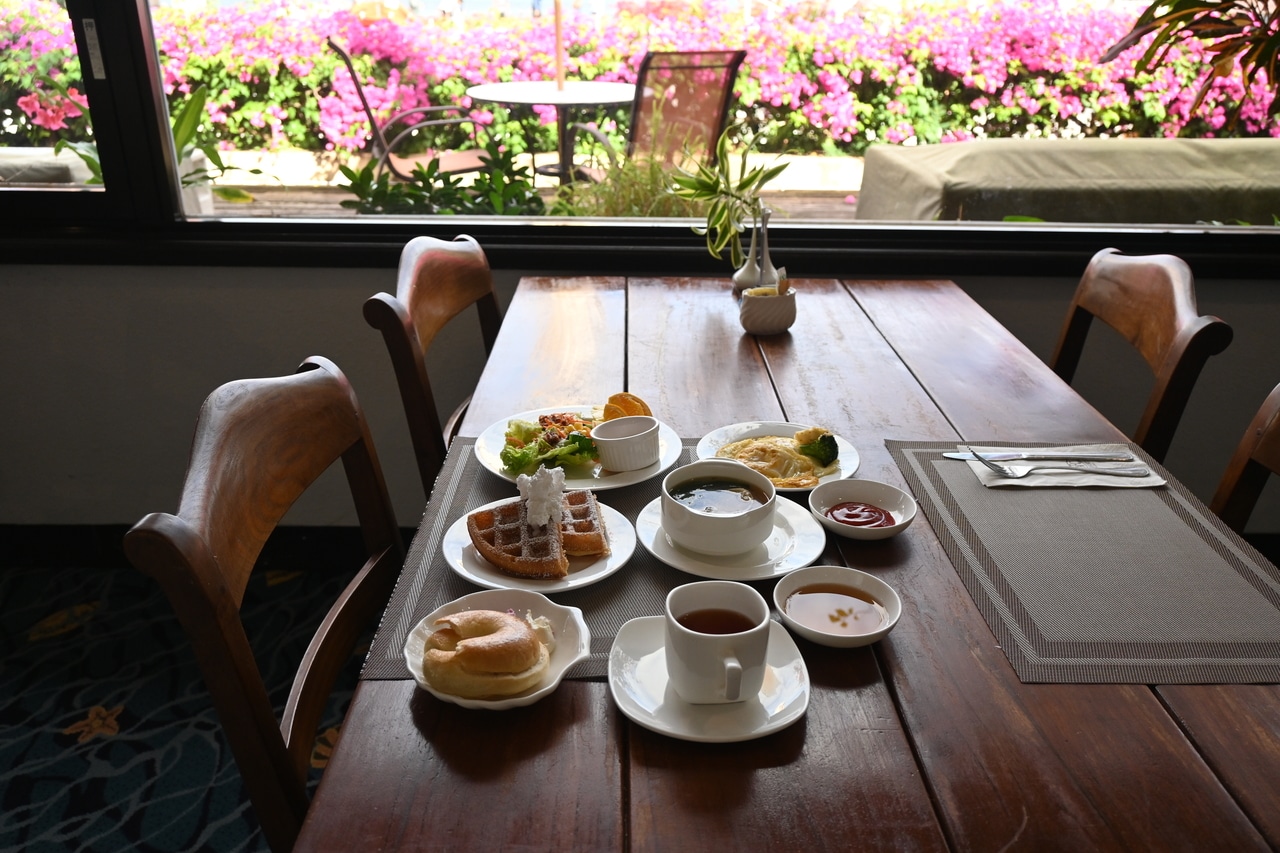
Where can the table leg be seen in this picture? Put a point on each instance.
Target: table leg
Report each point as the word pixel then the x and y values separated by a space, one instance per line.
pixel 564 144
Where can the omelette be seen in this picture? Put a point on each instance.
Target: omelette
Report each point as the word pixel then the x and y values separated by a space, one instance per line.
pixel 779 459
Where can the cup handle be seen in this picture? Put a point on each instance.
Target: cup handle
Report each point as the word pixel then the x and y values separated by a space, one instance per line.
pixel 732 679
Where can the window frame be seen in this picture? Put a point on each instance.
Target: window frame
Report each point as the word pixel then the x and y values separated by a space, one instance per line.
pixel 137 218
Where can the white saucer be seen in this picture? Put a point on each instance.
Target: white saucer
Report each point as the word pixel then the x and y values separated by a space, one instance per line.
pixel 797 540
pixel 846 464
pixel 491 441
pixel 467 563
pixel 638 683
pixel 573 641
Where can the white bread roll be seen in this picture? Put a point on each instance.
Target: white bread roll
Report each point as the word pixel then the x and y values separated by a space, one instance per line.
pixel 481 653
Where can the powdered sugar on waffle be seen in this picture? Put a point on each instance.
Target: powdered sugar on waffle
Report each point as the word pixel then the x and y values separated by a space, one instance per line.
pixel 543 493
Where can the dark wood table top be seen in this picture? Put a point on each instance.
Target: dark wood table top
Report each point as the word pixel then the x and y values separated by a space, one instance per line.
pixel 926 740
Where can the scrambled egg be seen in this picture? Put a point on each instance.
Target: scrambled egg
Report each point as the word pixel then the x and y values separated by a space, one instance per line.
pixel 777 458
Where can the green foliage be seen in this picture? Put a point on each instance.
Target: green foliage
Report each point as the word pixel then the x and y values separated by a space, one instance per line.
pixel 503 189
pixel 731 199
pixel 185 126
pixel 87 152
pixel 1231 33
pixel 430 192
pixel 635 187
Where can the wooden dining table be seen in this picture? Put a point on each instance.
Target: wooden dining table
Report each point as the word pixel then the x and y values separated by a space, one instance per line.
pixel 926 740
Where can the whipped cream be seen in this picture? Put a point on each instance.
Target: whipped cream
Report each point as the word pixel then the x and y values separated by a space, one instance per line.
pixel 542 626
pixel 543 493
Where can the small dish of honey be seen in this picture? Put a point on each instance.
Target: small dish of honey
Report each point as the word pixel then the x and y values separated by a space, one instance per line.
pixel 837 606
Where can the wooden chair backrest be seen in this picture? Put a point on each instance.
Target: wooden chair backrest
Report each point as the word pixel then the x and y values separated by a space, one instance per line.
pixel 1257 457
pixel 682 100
pixel 259 444
pixel 1150 300
pixel 437 281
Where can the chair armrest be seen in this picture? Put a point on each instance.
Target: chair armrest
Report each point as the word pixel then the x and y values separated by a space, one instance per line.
pixel 609 150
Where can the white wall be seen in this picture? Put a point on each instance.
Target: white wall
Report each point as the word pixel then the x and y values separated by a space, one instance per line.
pixel 102 370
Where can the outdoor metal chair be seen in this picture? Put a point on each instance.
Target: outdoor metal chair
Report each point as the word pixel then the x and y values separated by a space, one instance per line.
pixel 681 104
pixel 1150 300
pixel 387 141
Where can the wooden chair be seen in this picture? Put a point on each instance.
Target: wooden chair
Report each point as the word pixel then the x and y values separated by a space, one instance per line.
pixel 1150 300
pixel 682 102
pixel 1257 457
pixel 386 140
pixel 437 281
pixel 259 444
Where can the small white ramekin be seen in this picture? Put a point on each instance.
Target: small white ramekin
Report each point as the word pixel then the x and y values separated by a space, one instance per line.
pixel 626 444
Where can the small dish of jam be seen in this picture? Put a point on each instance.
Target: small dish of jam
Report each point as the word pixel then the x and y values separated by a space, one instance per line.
pixel 837 606
pixel 862 509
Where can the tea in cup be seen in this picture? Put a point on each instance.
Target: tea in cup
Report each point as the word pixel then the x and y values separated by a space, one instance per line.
pixel 718 507
pixel 717 640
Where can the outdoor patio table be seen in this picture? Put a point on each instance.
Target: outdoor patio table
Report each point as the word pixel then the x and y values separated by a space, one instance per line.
pixel 575 93
pixel 927 740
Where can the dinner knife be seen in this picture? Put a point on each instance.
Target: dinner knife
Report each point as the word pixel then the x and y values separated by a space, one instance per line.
pixel 1031 455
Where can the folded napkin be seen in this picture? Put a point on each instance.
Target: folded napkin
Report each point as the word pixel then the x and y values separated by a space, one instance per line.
pixel 1063 477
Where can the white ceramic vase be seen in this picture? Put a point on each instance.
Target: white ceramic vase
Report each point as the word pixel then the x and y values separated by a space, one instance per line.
pixel 757 270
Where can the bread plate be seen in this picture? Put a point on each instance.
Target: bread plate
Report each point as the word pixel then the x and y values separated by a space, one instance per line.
pixel 490 443
pixel 846 464
pixel 573 641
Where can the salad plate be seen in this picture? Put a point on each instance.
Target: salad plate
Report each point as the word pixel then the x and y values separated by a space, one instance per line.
pixel 573 642
pixel 467 563
pixel 846 463
pixel 796 541
pixel 639 685
pixel 490 443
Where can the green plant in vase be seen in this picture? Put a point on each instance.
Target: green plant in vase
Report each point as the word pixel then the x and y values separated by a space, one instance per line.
pixel 733 200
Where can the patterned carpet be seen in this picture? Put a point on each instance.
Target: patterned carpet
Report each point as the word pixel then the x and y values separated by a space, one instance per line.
pixel 108 738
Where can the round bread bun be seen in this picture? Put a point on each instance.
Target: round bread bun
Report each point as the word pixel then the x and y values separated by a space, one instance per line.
pixel 481 653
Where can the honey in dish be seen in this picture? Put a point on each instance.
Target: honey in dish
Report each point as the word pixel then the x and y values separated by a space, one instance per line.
pixel 723 496
pixel 835 609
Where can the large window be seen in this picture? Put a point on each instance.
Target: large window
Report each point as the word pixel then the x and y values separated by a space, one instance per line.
pixel 902 123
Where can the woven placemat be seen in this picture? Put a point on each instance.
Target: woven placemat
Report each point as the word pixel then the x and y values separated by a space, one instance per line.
pixel 638 589
pixel 1096 585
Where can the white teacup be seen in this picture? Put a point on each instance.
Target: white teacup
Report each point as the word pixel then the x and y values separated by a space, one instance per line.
pixel 717 532
pixel 627 444
pixel 717 641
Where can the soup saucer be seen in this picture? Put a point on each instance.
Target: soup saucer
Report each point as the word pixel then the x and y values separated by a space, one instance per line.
pixel 796 541
pixel 639 685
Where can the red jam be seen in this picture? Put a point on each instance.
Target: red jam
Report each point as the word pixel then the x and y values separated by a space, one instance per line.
pixel 858 514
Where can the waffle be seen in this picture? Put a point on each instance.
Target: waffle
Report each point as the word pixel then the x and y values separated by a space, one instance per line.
pixel 582 526
pixel 503 536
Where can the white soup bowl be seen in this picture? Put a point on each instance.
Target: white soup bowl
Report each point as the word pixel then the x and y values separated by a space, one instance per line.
pixel 713 533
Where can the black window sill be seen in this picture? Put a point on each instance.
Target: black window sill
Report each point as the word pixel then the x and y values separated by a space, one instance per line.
pixel 644 249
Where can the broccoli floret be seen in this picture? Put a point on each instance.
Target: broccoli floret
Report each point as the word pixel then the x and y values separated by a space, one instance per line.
pixel 822 448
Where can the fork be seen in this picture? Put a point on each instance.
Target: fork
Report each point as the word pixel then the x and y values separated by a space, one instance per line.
pixel 1012 474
